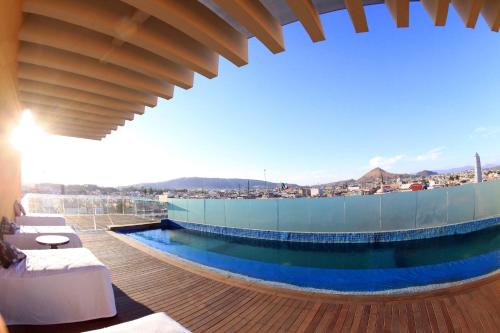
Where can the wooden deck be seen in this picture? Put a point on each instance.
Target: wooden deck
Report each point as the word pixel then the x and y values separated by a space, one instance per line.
pixel 146 282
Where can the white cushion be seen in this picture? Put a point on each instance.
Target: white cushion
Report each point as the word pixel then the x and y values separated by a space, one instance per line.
pixel 41 219
pixel 25 237
pixel 56 286
pixel 153 323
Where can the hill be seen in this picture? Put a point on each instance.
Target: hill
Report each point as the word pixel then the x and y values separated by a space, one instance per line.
pixel 191 183
pixel 377 173
pixel 426 173
pixel 339 183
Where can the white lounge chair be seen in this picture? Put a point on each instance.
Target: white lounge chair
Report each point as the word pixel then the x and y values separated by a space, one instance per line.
pixel 41 220
pixel 156 322
pixel 54 287
pixel 25 237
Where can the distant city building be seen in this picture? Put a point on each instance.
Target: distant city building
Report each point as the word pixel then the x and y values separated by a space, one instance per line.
pixel 478 177
pixel 305 191
pixel 316 192
pixel 163 197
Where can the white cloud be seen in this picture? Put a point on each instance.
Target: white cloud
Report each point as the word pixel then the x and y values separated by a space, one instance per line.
pixel 389 162
pixel 485 132
pixel 385 162
pixel 431 155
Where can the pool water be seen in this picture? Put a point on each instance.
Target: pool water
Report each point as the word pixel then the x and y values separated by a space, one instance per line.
pixel 337 267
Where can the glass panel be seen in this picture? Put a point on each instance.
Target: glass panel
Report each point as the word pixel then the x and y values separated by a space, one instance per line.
pixel 115 205
pixel 399 210
pixel 70 206
pixel 196 213
pixel 252 214
pixel 177 209
pixel 293 214
pixel 431 207
pixel 487 199
pixel 215 212
pixel 85 205
pixel 326 214
pixel 460 203
pixel 99 205
pixel 362 213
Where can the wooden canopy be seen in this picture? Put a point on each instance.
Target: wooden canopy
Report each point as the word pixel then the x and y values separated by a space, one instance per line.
pixel 85 67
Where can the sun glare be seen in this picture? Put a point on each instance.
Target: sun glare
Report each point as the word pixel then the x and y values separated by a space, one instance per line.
pixel 27 134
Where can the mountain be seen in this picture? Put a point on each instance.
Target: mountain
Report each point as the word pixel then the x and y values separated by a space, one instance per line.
pixel 426 173
pixel 455 170
pixel 377 173
pixel 191 183
pixel 339 183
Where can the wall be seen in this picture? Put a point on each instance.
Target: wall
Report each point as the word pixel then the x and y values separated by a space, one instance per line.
pixel 10 161
pixel 388 212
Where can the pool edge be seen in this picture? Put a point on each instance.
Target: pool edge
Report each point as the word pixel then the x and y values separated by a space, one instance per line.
pixel 340 237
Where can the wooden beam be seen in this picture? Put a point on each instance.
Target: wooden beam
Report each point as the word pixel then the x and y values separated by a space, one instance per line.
pixel 65 79
pixel 44 119
pixel 75 134
pixel 468 10
pixel 118 20
pixel 307 14
pixel 200 23
pixel 74 114
pixel 437 10
pixel 356 11
pixel 74 131
pixel 255 17
pixel 491 13
pixel 78 96
pixel 10 157
pixel 67 104
pixel 71 38
pixel 400 12
pixel 73 63
pixel 89 130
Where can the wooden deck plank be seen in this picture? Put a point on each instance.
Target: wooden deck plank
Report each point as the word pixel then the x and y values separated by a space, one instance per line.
pixel 144 283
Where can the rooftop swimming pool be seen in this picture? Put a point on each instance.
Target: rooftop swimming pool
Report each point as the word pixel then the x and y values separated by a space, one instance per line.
pixel 351 268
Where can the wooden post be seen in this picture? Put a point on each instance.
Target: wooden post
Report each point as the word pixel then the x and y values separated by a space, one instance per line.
pixel 10 159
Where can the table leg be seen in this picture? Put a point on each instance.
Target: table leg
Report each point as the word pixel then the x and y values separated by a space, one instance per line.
pixel 53 247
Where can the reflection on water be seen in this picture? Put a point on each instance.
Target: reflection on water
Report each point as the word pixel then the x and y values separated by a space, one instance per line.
pixel 343 256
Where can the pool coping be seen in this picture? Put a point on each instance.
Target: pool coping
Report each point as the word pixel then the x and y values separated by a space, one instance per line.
pixel 306 293
pixel 340 237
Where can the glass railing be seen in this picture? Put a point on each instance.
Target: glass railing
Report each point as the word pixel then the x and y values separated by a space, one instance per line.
pixel 385 212
pixel 93 205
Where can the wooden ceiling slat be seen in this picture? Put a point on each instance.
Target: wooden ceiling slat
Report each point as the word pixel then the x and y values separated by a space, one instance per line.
pixel 400 12
pixel 307 14
pixel 43 120
pixel 117 20
pixel 74 133
pixel 255 17
pixel 96 131
pixel 200 23
pixel 491 13
pixel 71 38
pixel 71 62
pixel 468 10
pixel 64 103
pixel 437 10
pixel 78 96
pixel 74 114
pixel 356 11
pixel 65 79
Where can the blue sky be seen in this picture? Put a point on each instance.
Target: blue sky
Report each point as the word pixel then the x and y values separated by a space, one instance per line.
pixel 425 97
